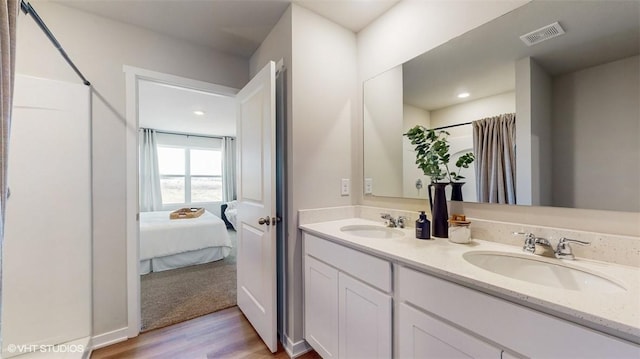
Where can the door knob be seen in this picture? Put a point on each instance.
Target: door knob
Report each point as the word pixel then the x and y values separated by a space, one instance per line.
pixel 265 220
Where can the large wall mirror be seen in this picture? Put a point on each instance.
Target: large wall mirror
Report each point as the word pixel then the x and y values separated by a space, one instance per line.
pixel 575 97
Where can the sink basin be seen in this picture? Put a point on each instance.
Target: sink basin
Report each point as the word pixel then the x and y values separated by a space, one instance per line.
pixel 371 231
pixel 542 271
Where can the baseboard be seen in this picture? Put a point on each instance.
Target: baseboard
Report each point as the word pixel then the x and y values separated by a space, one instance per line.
pixel 296 349
pixel 109 338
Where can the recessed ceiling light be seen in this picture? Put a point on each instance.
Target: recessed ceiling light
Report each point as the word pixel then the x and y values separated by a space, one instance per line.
pixel 463 95
pixel 198 113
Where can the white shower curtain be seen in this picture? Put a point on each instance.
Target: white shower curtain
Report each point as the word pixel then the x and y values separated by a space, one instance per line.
pixel 229 171
pixel 494 141
pixel 150 193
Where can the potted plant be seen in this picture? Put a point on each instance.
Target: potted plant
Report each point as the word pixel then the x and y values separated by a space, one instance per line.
pixel 432 152
pixel 456 185
pixel 432 157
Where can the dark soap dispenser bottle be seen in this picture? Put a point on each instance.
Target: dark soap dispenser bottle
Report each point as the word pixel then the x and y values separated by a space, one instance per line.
pixel 423 227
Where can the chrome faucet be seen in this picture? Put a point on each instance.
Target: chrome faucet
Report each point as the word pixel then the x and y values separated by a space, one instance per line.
pixel 536 245
pixel 564 249
pixel 542 246
pixel 393 222
pixel 390 221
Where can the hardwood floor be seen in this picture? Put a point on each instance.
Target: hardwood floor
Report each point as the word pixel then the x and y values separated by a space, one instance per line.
pixel 224 334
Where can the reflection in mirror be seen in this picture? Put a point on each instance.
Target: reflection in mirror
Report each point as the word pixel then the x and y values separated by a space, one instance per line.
pixel 575 96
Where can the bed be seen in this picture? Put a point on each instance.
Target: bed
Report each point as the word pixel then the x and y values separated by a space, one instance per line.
pixel 173 243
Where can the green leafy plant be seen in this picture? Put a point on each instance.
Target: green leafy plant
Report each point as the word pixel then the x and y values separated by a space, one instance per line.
pixel 432 154
pixel 463 162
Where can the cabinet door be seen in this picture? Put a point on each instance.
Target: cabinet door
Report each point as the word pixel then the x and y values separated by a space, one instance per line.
pixel 423 336
pixel 365 320
pixel 321 307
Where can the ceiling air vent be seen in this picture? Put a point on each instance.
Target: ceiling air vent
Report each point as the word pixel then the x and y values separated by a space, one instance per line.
pixel 542 34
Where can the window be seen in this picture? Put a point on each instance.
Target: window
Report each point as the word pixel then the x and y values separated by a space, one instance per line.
pixel 190 175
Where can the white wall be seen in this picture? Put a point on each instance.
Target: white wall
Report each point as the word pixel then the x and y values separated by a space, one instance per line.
pixel 473 110
pixel 596 120
pixel 383 129
pixel 541 135
pixel 523 132
pixel 100 47
pixel 533 134
pixel 320 57
pixel 324 106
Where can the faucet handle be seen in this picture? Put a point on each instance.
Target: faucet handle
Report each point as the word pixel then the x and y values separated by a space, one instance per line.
pixel 526 234
pixel 529 241
pixel 564 249
pixel 401 221
pixel 390 221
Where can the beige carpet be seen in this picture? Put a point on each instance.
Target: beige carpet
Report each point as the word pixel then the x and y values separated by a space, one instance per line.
pixel 177 295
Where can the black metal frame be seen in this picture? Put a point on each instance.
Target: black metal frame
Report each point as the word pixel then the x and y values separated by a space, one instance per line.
pixel 29 10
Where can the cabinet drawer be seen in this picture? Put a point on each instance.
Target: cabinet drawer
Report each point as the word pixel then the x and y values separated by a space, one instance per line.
pixel 521 329
pixel 369 269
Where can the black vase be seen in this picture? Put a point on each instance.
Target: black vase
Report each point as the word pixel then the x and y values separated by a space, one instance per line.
pixel 438 202
pixel 456 191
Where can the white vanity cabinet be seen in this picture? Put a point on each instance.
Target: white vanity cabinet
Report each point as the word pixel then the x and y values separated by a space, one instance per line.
pixel 348 301
pixel 446 314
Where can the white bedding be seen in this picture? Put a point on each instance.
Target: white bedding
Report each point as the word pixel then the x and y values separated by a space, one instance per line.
pixel 161 236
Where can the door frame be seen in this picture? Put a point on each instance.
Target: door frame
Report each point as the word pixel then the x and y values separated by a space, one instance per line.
pixel 132 76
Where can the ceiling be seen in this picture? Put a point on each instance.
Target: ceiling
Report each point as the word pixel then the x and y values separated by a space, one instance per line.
pixel 170 108
pixel 235 27
pixel 482 61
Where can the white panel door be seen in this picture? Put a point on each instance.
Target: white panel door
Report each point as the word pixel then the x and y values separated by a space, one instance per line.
pixel 422 336
pixel 256 129
pixel 321 307
pixel 46 283
pixel 364 320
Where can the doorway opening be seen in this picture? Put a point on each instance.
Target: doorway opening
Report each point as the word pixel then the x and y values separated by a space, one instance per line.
pixel 271 102
pixel 184 264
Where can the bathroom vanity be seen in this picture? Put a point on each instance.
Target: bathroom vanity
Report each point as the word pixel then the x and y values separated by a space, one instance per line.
pixel 377 292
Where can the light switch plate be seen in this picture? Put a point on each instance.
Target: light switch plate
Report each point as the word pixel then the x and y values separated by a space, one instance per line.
pixel 368 186
pixel 345 187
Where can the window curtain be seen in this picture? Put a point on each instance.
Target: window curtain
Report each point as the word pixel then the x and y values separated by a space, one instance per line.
pixel 494 146
pixel 8 20
pixel 150 193
pixel 229 170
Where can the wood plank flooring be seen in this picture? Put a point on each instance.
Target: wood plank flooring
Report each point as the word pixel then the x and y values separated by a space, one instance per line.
pixel 224 334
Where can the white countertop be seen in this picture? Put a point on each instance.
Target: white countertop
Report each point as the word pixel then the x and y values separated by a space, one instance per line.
pixel 615 313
